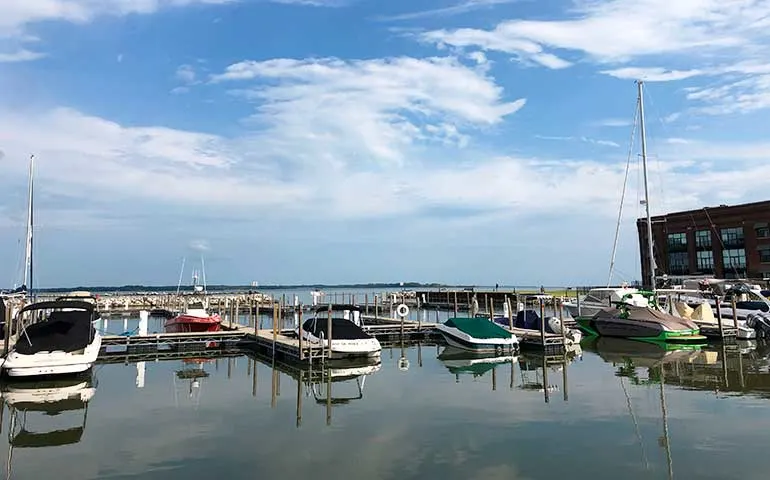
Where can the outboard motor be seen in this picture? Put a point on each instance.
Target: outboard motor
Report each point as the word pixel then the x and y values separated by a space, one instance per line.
pixel 759 321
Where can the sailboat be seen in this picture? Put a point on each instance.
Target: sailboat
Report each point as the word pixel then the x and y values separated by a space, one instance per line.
pixel 65 341
pixel 642 322
pixel 195 317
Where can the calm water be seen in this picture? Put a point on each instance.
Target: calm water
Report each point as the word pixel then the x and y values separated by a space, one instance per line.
pixel 435 420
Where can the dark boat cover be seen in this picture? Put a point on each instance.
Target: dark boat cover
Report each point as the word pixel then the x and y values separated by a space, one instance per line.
pixel 341 329
pixel 526 319
pixel 65 331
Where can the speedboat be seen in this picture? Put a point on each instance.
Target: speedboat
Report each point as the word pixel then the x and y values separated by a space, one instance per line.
pixel 640 323
pixel 478 334
pixel 530 320
pixel 598 298
pixel 348 338
pixel 194 319
pixel 66 342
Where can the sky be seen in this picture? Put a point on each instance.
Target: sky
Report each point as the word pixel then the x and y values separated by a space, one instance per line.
pixel 341 141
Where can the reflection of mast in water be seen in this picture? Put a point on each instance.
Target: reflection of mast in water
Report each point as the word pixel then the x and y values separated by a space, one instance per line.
pixel 665 439
pixel 50 398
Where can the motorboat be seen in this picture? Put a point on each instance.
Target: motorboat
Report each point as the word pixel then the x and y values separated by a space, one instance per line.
pixel 640 323
pixel 478 334
pixel 348 338
pixel 530 320
pixel 65 342
pixel 599 298
pixel 703 314
pixel 195 318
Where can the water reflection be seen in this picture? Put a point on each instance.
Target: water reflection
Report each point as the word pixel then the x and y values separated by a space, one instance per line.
pixel 31 403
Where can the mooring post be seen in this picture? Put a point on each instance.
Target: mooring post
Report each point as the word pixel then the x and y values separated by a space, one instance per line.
pixel 564 375
pixel 510 312
pixel 542 324
pixel 577 300
pixel 7 320
pixel 735 312
pixel 561 325
pixel 329 333
pixel 275 324
pixel 366 303
pixel 719 316
pixel 300 332
pixel 546 392
pixel 375 306
pixel 455 304
pixel 491 310
pixel 237 311
pixel 328 397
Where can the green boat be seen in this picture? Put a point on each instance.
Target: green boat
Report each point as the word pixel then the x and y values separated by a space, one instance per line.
pixel 641 323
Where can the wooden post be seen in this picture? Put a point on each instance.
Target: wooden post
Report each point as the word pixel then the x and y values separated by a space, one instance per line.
pixel 352 299
pixel 275 325
pixel 735 312
pixel 375 306
pixel 237 311
pixel 455 305
pixel 328 397
pixel 563 328
pixel 366 303
pixel 719 316
pixel 546 392
pixel 7 319
pixel 491 310
pixel 329 335
pixel 542 327
pixel 299 331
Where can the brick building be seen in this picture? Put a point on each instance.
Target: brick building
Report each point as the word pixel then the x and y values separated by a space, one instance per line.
pixel 724 242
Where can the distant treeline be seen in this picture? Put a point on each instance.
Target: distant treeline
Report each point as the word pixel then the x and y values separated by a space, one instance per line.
pixel 230 288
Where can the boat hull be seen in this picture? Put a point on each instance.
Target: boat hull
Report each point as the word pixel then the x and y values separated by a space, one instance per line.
pixel 52 363
pixel 343 348
pixel 193 324
pixel 623 328
pixel 459 339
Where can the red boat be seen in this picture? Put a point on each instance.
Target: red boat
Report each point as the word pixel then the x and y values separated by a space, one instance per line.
pixel 195 319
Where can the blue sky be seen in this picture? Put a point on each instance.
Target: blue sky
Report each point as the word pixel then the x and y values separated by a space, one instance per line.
pixel 473 141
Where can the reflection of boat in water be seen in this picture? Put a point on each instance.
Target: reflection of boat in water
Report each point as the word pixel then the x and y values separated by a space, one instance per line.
pixel 643 354
pixel 49 398
pixel 193 371
pixel 459 361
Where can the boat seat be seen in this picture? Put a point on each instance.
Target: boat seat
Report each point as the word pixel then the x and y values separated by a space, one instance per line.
pixel 704 313
pixel 684 310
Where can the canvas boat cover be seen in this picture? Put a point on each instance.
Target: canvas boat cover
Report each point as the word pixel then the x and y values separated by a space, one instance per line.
pixel 478 327
pixel 526 319
pixel 646 314
pixel 62 331
pixel 342 329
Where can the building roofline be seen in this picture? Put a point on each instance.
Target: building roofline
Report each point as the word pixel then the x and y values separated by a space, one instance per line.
pixel 718 209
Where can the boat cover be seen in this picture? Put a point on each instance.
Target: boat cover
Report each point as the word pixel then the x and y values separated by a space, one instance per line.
pixel 759 321
pixel 61 331
pixel 646 314
pixel 342 329
pixel 478 327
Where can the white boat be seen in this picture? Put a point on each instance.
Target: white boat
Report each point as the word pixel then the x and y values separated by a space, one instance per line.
pixel 600 298
pixel 693 305
pixel 477 334
pixel 65 342
pixel 348 339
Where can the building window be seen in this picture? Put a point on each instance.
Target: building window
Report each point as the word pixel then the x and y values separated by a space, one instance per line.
pixel 677 242
pixel 732 237
pixel 703 239
pixel 678 263
pixel 705 261
pixel 762 232
pixel 764 254
pixel 734 260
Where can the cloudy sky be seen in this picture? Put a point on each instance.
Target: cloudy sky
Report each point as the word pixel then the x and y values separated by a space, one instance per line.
pixel 289 141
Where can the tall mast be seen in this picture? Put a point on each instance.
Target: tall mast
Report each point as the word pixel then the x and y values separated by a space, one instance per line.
pixel 639 84
pixel 28 250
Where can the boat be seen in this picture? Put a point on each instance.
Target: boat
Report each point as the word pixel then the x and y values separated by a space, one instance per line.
pixel 195 318
pixel 641 323
pixel 66 342
pixel 530 320
pixel 348 338
pixel 602 297
pixel 690 304
pixel 478 334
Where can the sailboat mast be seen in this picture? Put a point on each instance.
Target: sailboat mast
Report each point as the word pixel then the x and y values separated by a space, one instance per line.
pixel 28 250
pixel 643 133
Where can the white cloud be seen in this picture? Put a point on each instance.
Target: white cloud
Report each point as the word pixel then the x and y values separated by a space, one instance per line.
pixel 458 8
pixel 199 245
pixel 359 111
pixel 22 55
pixel 613 122
pixel 185 74
pixel 654 74
pixel 687 38
pixel 17 16
pixel 675 140
pixel 606 143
